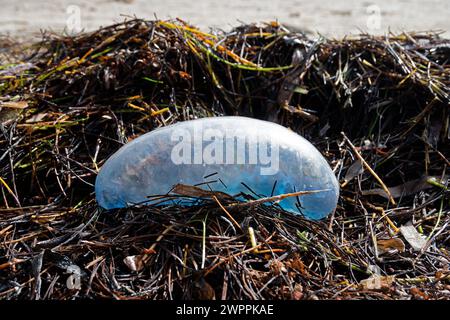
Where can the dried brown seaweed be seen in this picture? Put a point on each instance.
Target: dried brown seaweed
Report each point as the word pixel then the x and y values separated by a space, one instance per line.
pixel 68 103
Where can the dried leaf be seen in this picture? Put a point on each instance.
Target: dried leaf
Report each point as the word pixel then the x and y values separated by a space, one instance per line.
pixel 192 191
pixel 36 118
pixel 277 267
pixel 355 169
pixel 418 294
pixel 406 189
pixel 297 294
pixel 390 245
pixel 377 283
pixel 14 104
pixel 413 237
pixel 135 263
pixel 138 262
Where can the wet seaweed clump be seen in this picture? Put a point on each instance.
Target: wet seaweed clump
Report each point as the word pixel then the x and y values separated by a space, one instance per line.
pixel 376 107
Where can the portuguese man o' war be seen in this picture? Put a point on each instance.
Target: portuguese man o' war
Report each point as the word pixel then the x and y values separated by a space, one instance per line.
pixel 227 154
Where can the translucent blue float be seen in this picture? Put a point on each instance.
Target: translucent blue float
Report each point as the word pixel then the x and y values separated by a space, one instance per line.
pixel 228 154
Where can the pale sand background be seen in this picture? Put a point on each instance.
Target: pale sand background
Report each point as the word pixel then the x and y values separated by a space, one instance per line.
pixel 333 18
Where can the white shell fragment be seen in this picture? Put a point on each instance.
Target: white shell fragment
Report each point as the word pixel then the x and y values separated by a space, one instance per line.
pixel 227 154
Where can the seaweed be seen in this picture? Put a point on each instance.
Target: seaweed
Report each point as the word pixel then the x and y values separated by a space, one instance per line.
pixel 377 107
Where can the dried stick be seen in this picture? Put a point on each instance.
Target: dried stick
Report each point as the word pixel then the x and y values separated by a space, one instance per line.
pixel 385 188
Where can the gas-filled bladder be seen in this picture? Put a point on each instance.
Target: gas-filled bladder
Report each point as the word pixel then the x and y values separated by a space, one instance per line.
pixel 234 155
